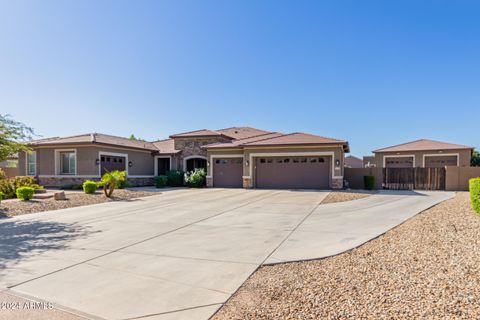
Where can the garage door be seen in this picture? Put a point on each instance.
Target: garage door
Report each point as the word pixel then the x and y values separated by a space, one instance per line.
pixel 228 172
pixel 399 162
pixel 293 172
pixel 440 161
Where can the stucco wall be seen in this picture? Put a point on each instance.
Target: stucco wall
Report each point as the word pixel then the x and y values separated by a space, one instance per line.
pixel 457 178
pixel 354 176
pixel 142 162
pixel 464 156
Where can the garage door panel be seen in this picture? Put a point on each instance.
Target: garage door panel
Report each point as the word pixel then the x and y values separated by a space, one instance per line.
pixel 228 172
pixel 440 161
pixel 293 172
pixel 399 162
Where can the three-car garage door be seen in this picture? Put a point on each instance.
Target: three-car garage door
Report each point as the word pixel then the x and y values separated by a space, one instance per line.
pixel 228 172
pixel 293 172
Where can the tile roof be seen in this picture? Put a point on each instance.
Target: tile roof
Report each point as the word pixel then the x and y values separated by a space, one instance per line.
pixel 423 144
pixel 295 139
pixel 242 132
pixel 96 138
pixel 240 142
pixel 277 138
pixel 166 146
pixel 197 133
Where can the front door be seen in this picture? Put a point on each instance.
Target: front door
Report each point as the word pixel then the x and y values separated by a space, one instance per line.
pixel 163 165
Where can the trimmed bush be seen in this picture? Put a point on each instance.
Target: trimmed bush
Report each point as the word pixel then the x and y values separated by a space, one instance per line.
pixel 369 182
pixel 89 186
pixel 25 193
pixel 8 186
pixel 175 178
pixel 160 181
pixel 196 178
pixel 474 186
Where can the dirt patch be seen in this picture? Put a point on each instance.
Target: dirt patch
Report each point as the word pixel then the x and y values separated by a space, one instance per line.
pixel 342 196
pixel 427 268
pixel 14 208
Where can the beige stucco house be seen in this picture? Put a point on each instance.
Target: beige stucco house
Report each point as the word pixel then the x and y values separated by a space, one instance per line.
pixel 233 157
pixel 423 153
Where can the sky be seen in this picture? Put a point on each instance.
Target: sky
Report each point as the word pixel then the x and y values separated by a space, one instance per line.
pixel 375 73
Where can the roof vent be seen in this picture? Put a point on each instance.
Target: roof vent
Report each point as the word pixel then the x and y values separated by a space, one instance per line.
pixel 92 137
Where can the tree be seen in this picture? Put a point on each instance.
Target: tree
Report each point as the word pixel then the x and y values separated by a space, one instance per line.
pixel 132 137
pixel 111 180
pixel 475 162
pixel 13 134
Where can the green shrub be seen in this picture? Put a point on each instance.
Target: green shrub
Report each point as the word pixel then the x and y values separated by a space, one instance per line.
pixel 25 193
pixel 8 186
pixel 175 178
pixel 3 175
pixel 89 186
pixel 196 178
pixel 111 181
pixel 369 182
pixel 160 181
pixel 24 181
pixel 1 196
pixel 474 186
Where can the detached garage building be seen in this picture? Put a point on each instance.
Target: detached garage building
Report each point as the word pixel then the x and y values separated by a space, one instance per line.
pixel 277 161
pixel 423 153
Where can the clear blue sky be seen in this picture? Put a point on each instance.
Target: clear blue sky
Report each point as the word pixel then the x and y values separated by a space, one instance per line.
pixel 375 73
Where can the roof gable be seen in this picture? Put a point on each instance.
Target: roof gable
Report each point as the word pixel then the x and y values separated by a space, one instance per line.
pixel 423 144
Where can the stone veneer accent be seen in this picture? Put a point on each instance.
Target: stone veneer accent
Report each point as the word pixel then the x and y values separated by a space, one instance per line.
pixel 247 183
pixel 64 181
pixel 193 147
pixel 209 182
pixel 337 184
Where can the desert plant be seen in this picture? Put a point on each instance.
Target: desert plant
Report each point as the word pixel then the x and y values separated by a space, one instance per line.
pixel 25 193
pixel 369 182
pixel 174 178
pixel 160 181
pixel 8 186
pixel 89 186
pixel 111 180
pixel 196 178
pixel 474 186
pixel 3 175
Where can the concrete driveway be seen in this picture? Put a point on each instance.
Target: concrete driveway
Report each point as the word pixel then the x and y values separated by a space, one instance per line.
pixel 182 254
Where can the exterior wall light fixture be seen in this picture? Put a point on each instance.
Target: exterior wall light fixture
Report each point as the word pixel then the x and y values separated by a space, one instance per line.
pixel 130 163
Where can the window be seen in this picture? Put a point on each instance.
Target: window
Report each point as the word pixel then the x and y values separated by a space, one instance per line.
pixel 68 162
pixel 11 163
pixel 321 160
pixel 32 163
pixel 262 160
pixel 286 161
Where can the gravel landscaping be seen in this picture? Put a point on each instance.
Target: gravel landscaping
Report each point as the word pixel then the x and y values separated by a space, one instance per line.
pixel 342 196
pixel 426 268
pixel 17 207
pixel 15 307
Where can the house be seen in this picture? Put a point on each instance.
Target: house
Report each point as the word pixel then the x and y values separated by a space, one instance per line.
pixel 10 166
pixel 369 162
pixel 423 153
pixel 232 157
pixel 353 162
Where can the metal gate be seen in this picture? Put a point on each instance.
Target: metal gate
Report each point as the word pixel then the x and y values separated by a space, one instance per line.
pixel 414 178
